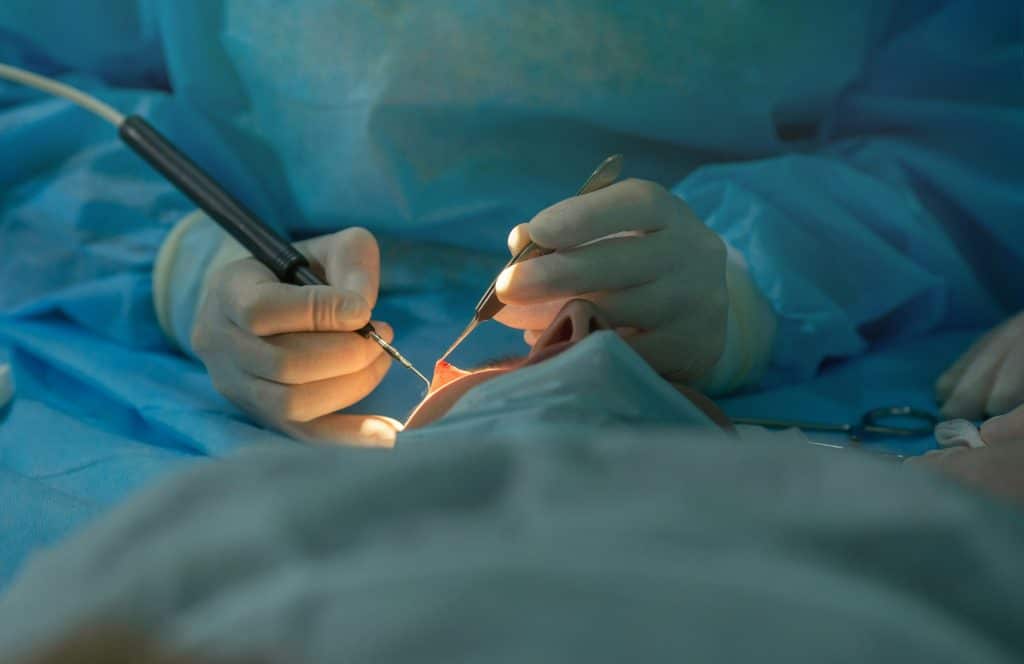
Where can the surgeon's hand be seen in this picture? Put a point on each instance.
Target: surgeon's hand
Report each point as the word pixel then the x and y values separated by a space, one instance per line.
pixel 288 354
pixel 1001 429
pixel 997 467
pixel 989 378
pixel 643 257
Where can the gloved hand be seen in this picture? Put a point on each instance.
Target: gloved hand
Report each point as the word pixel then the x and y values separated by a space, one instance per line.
pixel 650 265
pixel 1007 428
pixel 287 354
pixel 997 467
pixel 989 378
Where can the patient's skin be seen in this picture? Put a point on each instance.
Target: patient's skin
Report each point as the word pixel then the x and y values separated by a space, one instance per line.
pixel 116 645
pixel 577 320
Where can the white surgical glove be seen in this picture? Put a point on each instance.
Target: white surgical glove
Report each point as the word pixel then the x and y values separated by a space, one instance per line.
pixel 989 378
pixel 286 354
pixel 991 459
pixel 1007 428
pixel 684 302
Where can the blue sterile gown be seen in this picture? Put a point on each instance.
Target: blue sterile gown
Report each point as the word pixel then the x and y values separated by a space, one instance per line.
pixel 864 157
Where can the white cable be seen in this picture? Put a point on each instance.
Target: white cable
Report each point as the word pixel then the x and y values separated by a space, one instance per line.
pixel 59 89
pixel 87 102
pixel 6 384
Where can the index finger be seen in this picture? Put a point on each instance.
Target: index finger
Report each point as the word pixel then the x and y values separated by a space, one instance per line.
pixel 1007 428
pixel 350 260
pixel 631 205
pixel 345 429
pixel 253 299
pixel 946 383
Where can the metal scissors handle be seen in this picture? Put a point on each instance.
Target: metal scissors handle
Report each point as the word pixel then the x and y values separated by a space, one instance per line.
pixel 871 425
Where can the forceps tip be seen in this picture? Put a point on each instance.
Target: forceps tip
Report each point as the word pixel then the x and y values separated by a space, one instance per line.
pixel 458 340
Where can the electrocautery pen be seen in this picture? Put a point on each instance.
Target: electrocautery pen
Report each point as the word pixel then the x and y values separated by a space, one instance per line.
pixel 284 260
pixel 266 246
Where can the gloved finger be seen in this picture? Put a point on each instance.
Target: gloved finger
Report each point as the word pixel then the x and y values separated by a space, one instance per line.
pixel 947 382
pixel 281 404
pixel 1008 389
pixel 630 205
pixel 958 433
pixel 536 316
pixel 350 260
pixel 681 356
pixel 518 238
pixel 995 470
pixel 304 357
pixel 610 264
pixel 1008 428
pixel 269 307
pixel 972 390
pixel 344 429
pixel 937 458
pixel 646 306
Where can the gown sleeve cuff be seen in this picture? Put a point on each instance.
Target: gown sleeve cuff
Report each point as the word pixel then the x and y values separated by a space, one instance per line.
pixel 195 249
pixel 750 332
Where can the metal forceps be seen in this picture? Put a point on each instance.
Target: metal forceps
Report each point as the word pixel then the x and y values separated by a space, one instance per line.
pixel 874 424
pixel 489 305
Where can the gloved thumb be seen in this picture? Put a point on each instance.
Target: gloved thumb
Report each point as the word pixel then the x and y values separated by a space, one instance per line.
pixel 518 238
pixel 1007 428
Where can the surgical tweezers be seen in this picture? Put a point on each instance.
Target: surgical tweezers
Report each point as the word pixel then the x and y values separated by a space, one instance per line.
pixel 489 304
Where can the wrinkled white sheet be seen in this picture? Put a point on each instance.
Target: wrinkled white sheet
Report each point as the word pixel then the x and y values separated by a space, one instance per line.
pixel 601 538
pixel 579 546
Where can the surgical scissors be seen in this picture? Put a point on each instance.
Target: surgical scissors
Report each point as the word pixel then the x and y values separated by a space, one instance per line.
pixel 489 305
pixel 872 425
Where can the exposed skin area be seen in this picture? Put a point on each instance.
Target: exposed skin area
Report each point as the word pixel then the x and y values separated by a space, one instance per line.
pixel 116 645
pixel 444 373
pixel 446 391
pixel 576 321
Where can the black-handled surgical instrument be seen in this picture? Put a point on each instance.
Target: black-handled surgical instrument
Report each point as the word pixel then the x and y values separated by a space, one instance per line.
pixel 269 248
pixel 266 246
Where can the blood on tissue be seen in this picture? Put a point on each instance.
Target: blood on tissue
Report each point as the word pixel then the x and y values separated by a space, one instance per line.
pixel 445 373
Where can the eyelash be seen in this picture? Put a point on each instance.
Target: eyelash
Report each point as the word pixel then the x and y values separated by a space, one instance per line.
pixel 497 362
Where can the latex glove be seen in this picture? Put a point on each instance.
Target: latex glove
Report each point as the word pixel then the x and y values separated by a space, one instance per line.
pixel 287 354
pixel 989 378
pixel 1002 429
pixel 996 468
pixel 639 253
